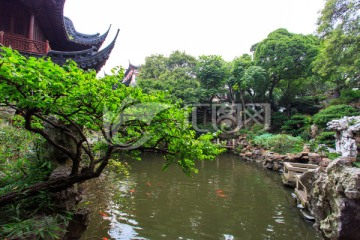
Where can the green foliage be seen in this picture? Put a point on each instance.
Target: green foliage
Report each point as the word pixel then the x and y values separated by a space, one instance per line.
pixel 154 67
pixel 347 96
pixel 287 58
pixel 308 104
pixel 21 162
pixel 48 227
pixel 333 156
pixel 212 73
pixel 280 143
pixel 356 164
pixel 278 120
pixel 252 132
pixel 33 218
pixel 297 125
pixel 327 138
pixel 333 112
pixel 188 90
pixel 174 75
pixel 38 89
pixel 339 27
pixel 255 81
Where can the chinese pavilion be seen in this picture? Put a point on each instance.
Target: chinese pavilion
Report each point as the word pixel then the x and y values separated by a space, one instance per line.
pixel 39 28
pixel 130 75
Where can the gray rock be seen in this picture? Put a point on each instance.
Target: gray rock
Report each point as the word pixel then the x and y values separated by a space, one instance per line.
pixel 335 200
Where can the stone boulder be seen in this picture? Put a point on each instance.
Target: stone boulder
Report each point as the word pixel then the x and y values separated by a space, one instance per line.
pixel 345 141
pixel 335 201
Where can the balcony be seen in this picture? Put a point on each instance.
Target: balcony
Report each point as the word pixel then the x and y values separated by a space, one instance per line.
pixel 23 44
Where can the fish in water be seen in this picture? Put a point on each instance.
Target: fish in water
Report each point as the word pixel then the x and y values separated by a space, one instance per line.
pixel 220 193
pixel 104 214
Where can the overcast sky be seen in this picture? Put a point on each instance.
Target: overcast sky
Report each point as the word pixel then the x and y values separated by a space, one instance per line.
pixel 199 27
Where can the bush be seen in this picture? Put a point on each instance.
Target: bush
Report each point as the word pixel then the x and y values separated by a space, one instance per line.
pixel 21 165
pixel 308 104
pixel 347 96
pixel 297 125
pixel 277 121
pixel 280 143
pixel 334 112
pixel 252 132
pixel 327 138
pixel 21 162
pixel 356 164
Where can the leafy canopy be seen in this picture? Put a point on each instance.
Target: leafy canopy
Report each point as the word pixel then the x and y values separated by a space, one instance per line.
pixel 174 75
pixel 287 59
pixel 73 102
pixel 213 73
pixel 339 28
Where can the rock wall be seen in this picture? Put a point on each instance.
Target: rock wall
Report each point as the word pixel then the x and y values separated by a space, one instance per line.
pixel 335 200
pixel 345 129
pixel 275 161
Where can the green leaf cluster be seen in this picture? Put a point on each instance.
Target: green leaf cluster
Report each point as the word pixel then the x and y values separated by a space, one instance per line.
pixel 85 109
pixel 173 75
pixel 333 112
pixel 297 125
pixel 339 26
pixel 280 143
pixel 21 162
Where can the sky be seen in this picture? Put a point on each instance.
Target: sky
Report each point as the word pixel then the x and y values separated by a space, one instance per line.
pixel 198 27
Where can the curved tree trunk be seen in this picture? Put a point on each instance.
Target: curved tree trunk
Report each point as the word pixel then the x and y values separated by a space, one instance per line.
pixel 54 185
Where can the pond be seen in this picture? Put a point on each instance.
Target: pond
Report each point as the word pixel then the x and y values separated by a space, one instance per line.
pixel 228 199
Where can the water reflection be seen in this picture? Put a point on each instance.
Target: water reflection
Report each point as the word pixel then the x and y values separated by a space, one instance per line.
pixel 228 199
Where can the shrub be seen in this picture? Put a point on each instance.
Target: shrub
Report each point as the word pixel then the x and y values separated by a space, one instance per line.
pixel 277 121
pixel 280 143
pixel 297 125
pixel 327 138
pixel 20 159
pixel 347 96
pixel 251 133
pixel 333 112
pixel 308 104
pixel 48 227
pixel 356 164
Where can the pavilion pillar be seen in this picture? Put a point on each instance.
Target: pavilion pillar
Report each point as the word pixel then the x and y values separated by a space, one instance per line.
pixel 47 47
pixel 31 27
pixel 1 37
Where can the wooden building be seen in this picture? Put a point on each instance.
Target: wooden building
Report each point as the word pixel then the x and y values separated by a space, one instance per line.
pixel 39 28
pixel 130 75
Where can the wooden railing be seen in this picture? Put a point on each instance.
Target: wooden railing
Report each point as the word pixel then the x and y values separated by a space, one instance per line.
pixel 301 192
pixel 23 44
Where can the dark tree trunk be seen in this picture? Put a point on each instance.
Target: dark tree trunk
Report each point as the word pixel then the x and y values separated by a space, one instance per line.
pixel 54 185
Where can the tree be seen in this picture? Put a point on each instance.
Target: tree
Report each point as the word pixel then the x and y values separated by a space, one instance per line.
pixel 176 77
pixel 256 84
pixel 155 65
pixel 238 67
pixel 286 57
pixel 212 73
pixel 339 58
pixel 74 102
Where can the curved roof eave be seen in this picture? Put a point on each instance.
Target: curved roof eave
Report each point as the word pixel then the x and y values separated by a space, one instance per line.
pixel 81 38
pixel 86 59
pixel 50 16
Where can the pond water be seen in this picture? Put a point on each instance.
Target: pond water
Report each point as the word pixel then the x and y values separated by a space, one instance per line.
pixel 228 199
